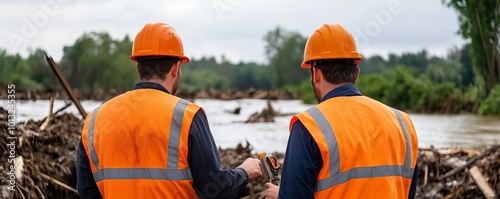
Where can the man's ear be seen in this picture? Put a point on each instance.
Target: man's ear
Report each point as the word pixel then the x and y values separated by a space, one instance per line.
pixel 357 74
pixel 316 75
pixel 175 69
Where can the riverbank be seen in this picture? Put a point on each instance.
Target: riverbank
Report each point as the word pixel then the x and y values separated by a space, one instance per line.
pixel 103 95
pixel 46 164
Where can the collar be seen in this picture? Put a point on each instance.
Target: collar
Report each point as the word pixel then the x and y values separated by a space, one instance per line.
pixel 150 85
pixel 344 90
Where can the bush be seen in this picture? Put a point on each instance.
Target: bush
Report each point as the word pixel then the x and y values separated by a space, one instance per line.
pixel 444 98
pixel 491 105
pixel 404 90
pixel 373 86
pixel 307 93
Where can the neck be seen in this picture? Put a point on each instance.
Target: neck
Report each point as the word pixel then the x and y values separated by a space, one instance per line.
pixel 329 87
pixel 334 86
pixel 158 81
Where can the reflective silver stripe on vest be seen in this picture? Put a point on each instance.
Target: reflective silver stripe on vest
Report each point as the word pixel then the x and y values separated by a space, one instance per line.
pixel 407 162
pixel 331 141
pixel 169 173
pixel 175 134
pixel 337 177
pixel 93 154
pixel 362 172
pixel 142 173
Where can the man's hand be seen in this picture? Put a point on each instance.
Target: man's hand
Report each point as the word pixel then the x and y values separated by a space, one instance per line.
pixel 272 191
pixel 252 167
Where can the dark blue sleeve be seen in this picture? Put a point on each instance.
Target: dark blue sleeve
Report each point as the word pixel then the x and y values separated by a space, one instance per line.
pixel 301 165
pixel 413 186
pixel 210 179
pixel 85 183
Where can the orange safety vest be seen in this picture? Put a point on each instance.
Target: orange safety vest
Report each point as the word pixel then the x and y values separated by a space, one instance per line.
pixel 137 144
pixel 369 150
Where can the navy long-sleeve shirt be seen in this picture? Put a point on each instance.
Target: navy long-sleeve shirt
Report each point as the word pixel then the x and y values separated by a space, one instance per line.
pixel 210 179
pixel 301 146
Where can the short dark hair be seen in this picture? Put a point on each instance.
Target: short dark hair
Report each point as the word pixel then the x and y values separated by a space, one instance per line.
pixel 149 67
pixel 337 71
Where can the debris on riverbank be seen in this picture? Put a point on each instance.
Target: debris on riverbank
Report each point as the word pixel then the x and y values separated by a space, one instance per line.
pixel 46 159
pixel 458 173
pixel 104 95
pixel 46 164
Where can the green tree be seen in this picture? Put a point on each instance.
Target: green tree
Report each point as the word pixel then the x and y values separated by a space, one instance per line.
pixel 479 22
pixel 442 70
pixel 41 71
pixel 373 64
pixel 96 61
pixel 491 105
pixel 468 73
pixel 418 60
pixel 17 71
pixel 285 50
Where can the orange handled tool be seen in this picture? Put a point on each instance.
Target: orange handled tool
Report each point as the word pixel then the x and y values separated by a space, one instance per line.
pixel 270 167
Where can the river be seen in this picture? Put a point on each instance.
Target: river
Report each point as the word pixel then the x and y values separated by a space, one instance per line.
pixel 469 131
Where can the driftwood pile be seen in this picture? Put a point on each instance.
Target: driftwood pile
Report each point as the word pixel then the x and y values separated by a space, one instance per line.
pixel 48 157
pixel 459 173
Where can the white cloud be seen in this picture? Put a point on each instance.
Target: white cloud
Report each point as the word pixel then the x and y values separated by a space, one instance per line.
pixel 231 27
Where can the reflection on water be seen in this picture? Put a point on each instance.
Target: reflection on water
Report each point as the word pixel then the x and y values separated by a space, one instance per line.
pixel 470 131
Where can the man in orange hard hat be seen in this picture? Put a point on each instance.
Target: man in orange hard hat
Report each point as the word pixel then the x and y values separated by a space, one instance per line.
pixel 349 145
pixel 148 143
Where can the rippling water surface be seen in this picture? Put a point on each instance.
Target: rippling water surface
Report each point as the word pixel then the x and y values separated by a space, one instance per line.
pixel 470 131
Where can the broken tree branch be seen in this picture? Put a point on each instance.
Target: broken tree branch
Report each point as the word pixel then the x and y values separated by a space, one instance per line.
pixel 58 183
pixel 49 117
pixel 66 85
pixel 482 183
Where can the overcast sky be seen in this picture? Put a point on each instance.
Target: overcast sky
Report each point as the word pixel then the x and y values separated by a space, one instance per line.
pixel 234 28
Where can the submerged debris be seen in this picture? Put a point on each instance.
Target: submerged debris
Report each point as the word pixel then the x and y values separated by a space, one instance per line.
pixel 266 115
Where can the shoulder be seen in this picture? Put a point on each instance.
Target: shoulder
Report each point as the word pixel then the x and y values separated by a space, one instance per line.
pixel 189 107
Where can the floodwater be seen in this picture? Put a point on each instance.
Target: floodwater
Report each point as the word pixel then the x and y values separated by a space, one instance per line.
pixel 469 131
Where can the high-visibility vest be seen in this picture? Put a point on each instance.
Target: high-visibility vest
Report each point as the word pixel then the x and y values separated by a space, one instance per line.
pixel 369 150
pixel 137 144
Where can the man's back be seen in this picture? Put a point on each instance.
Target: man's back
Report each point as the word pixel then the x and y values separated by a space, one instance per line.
pixel 363 147
pixel 139 143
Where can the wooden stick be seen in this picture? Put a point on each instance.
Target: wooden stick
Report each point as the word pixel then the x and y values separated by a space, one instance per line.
pixel 470 162
pixel 21 192
pixel 426 174
pixel 61 109
pixel 482 183
pixel 49 117
pixel 66 86
pixel 59 183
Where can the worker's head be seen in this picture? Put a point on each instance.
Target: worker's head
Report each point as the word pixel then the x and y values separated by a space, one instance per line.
pixel 331 54
pixel 159 52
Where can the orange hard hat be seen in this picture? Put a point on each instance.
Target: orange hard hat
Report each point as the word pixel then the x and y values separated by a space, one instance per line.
pixel 158 39
pixel 330 41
